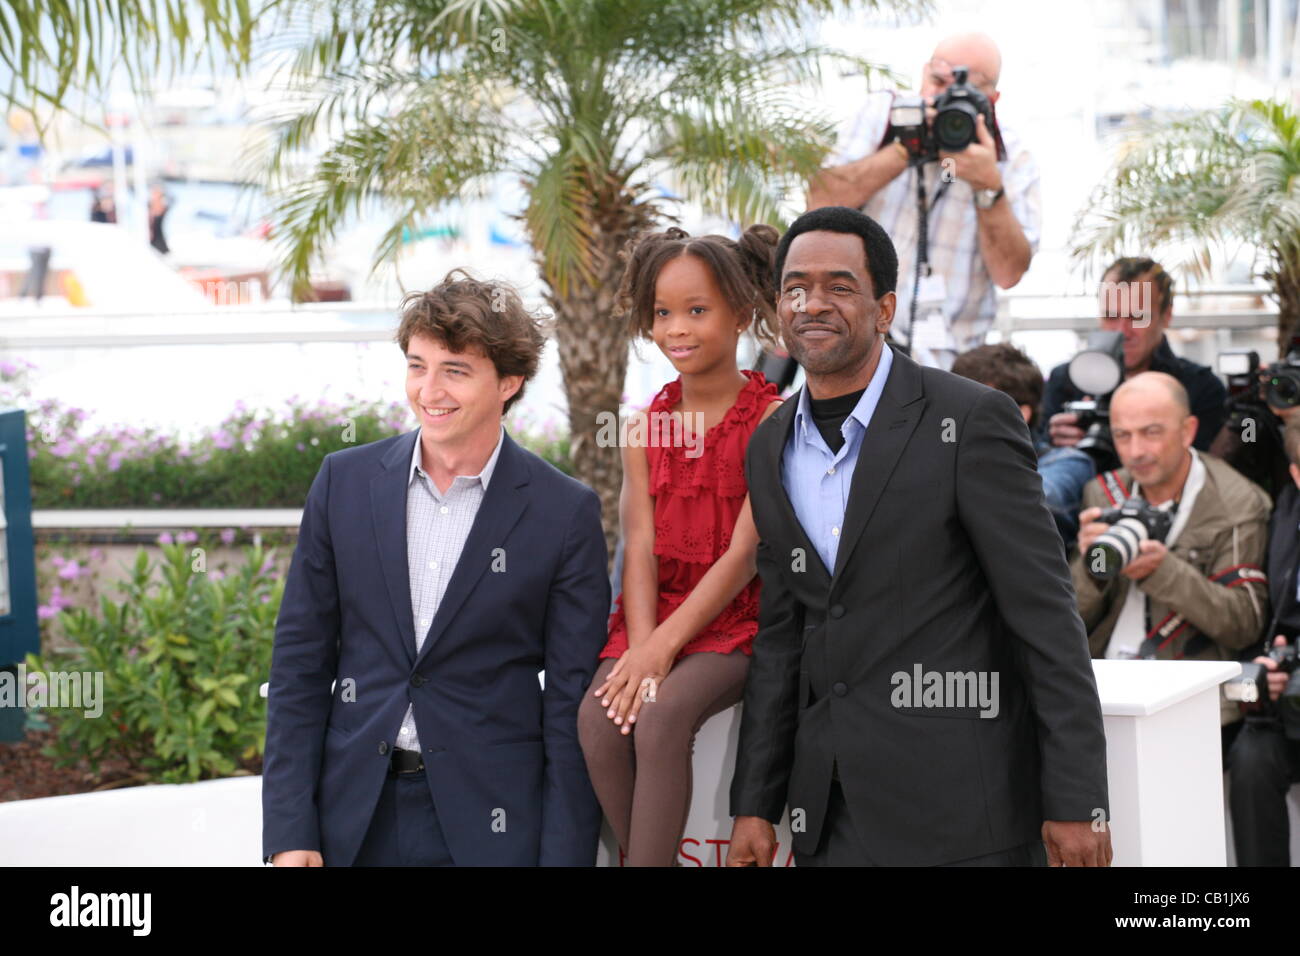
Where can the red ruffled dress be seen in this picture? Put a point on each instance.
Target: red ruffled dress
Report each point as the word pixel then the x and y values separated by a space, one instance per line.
pixel 697 501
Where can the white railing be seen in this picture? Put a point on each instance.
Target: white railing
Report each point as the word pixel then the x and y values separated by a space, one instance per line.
pixel 319 322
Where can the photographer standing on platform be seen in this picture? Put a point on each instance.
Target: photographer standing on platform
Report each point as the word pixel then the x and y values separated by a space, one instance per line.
pixel 978 187
pixel 1137 299
pixel 1171 545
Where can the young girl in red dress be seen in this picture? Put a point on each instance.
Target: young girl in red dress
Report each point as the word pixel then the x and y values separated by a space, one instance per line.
pixel 681 632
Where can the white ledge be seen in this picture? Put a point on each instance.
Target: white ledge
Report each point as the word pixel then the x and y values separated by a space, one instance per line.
pixel 168 518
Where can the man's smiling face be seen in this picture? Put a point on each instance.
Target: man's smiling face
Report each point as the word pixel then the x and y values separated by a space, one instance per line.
pixel 456 396
pixel 830 316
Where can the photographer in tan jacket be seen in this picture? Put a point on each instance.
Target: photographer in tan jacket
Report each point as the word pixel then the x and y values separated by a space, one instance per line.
pixel 1201 594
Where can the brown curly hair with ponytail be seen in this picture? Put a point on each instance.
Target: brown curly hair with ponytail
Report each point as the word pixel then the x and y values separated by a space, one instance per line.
pixel 742 269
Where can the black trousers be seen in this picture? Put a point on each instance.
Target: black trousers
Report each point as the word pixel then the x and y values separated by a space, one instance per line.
pixel 404 830
pixel 841 846
pixel 1261 768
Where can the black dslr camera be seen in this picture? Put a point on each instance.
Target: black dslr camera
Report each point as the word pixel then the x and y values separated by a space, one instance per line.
pixel 1131 523
pixel 1282 378
pixel 1251 687
pixel 953 128
pixel 1251 437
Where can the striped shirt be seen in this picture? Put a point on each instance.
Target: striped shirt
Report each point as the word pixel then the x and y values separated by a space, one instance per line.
pixel 437 526
pixel 969 299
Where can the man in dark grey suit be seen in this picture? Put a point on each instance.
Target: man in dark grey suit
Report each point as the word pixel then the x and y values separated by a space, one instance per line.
pixel 920 691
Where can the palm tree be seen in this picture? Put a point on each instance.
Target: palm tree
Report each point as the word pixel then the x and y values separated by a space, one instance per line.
pixel 587 102
pixel 55 48
pixel 1220 176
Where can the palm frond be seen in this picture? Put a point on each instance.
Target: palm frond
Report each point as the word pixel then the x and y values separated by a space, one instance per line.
pixel 56 47
pixel 435 149
pixel 558 219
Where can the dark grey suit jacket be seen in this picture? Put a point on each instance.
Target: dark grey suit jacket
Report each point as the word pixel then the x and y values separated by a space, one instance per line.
pixel 948 559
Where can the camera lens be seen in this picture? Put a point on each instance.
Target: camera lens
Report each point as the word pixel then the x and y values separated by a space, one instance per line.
pixel 954 126
pixel 1115 548
pixel 1284 390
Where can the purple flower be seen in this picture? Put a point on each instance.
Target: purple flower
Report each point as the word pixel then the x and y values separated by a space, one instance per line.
pixel 228 536
pixel 114 461
pixel 186 537
pixel 8 368
pixel 70 571
pixel 165 538
pixel 223 440
pixel 58 560
pixel 300 446
pixel 46 611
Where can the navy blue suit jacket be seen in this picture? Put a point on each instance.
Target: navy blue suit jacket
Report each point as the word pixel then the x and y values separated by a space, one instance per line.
pixel 529 593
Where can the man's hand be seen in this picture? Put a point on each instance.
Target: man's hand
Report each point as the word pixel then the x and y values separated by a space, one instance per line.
pixel 1076 843
pixel 753 842
pixel 977 164
pixel 298 858
pixel 1150 555
pixel 1063 430
pixel 1089 529
pixel 1277 680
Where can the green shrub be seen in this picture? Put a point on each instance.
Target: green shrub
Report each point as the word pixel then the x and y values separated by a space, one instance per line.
pixel 182 656
pixel 253 459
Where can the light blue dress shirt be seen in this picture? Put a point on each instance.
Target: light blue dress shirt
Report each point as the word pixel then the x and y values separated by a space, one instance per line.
pixel 816 479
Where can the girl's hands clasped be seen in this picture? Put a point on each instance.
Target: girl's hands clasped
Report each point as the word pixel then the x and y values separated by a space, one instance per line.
pixel 628 684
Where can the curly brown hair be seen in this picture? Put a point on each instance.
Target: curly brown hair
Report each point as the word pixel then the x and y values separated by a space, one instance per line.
pixel 463 313
pixel 743 270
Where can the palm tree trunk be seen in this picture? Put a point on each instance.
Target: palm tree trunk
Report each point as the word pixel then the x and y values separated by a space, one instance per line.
pixel 593 362
pixel 593 347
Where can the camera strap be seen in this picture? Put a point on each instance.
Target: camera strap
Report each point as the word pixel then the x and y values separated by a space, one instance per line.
pixel 1112 487
pixel 923 210
pixel 1174 623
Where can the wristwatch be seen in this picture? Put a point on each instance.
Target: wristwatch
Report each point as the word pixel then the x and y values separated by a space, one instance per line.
pixel 985 198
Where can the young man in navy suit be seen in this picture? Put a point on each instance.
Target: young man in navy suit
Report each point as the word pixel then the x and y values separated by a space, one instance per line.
pixel 436 574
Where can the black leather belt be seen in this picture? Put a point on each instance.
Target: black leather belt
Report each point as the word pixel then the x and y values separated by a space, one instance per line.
pixel 406 761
